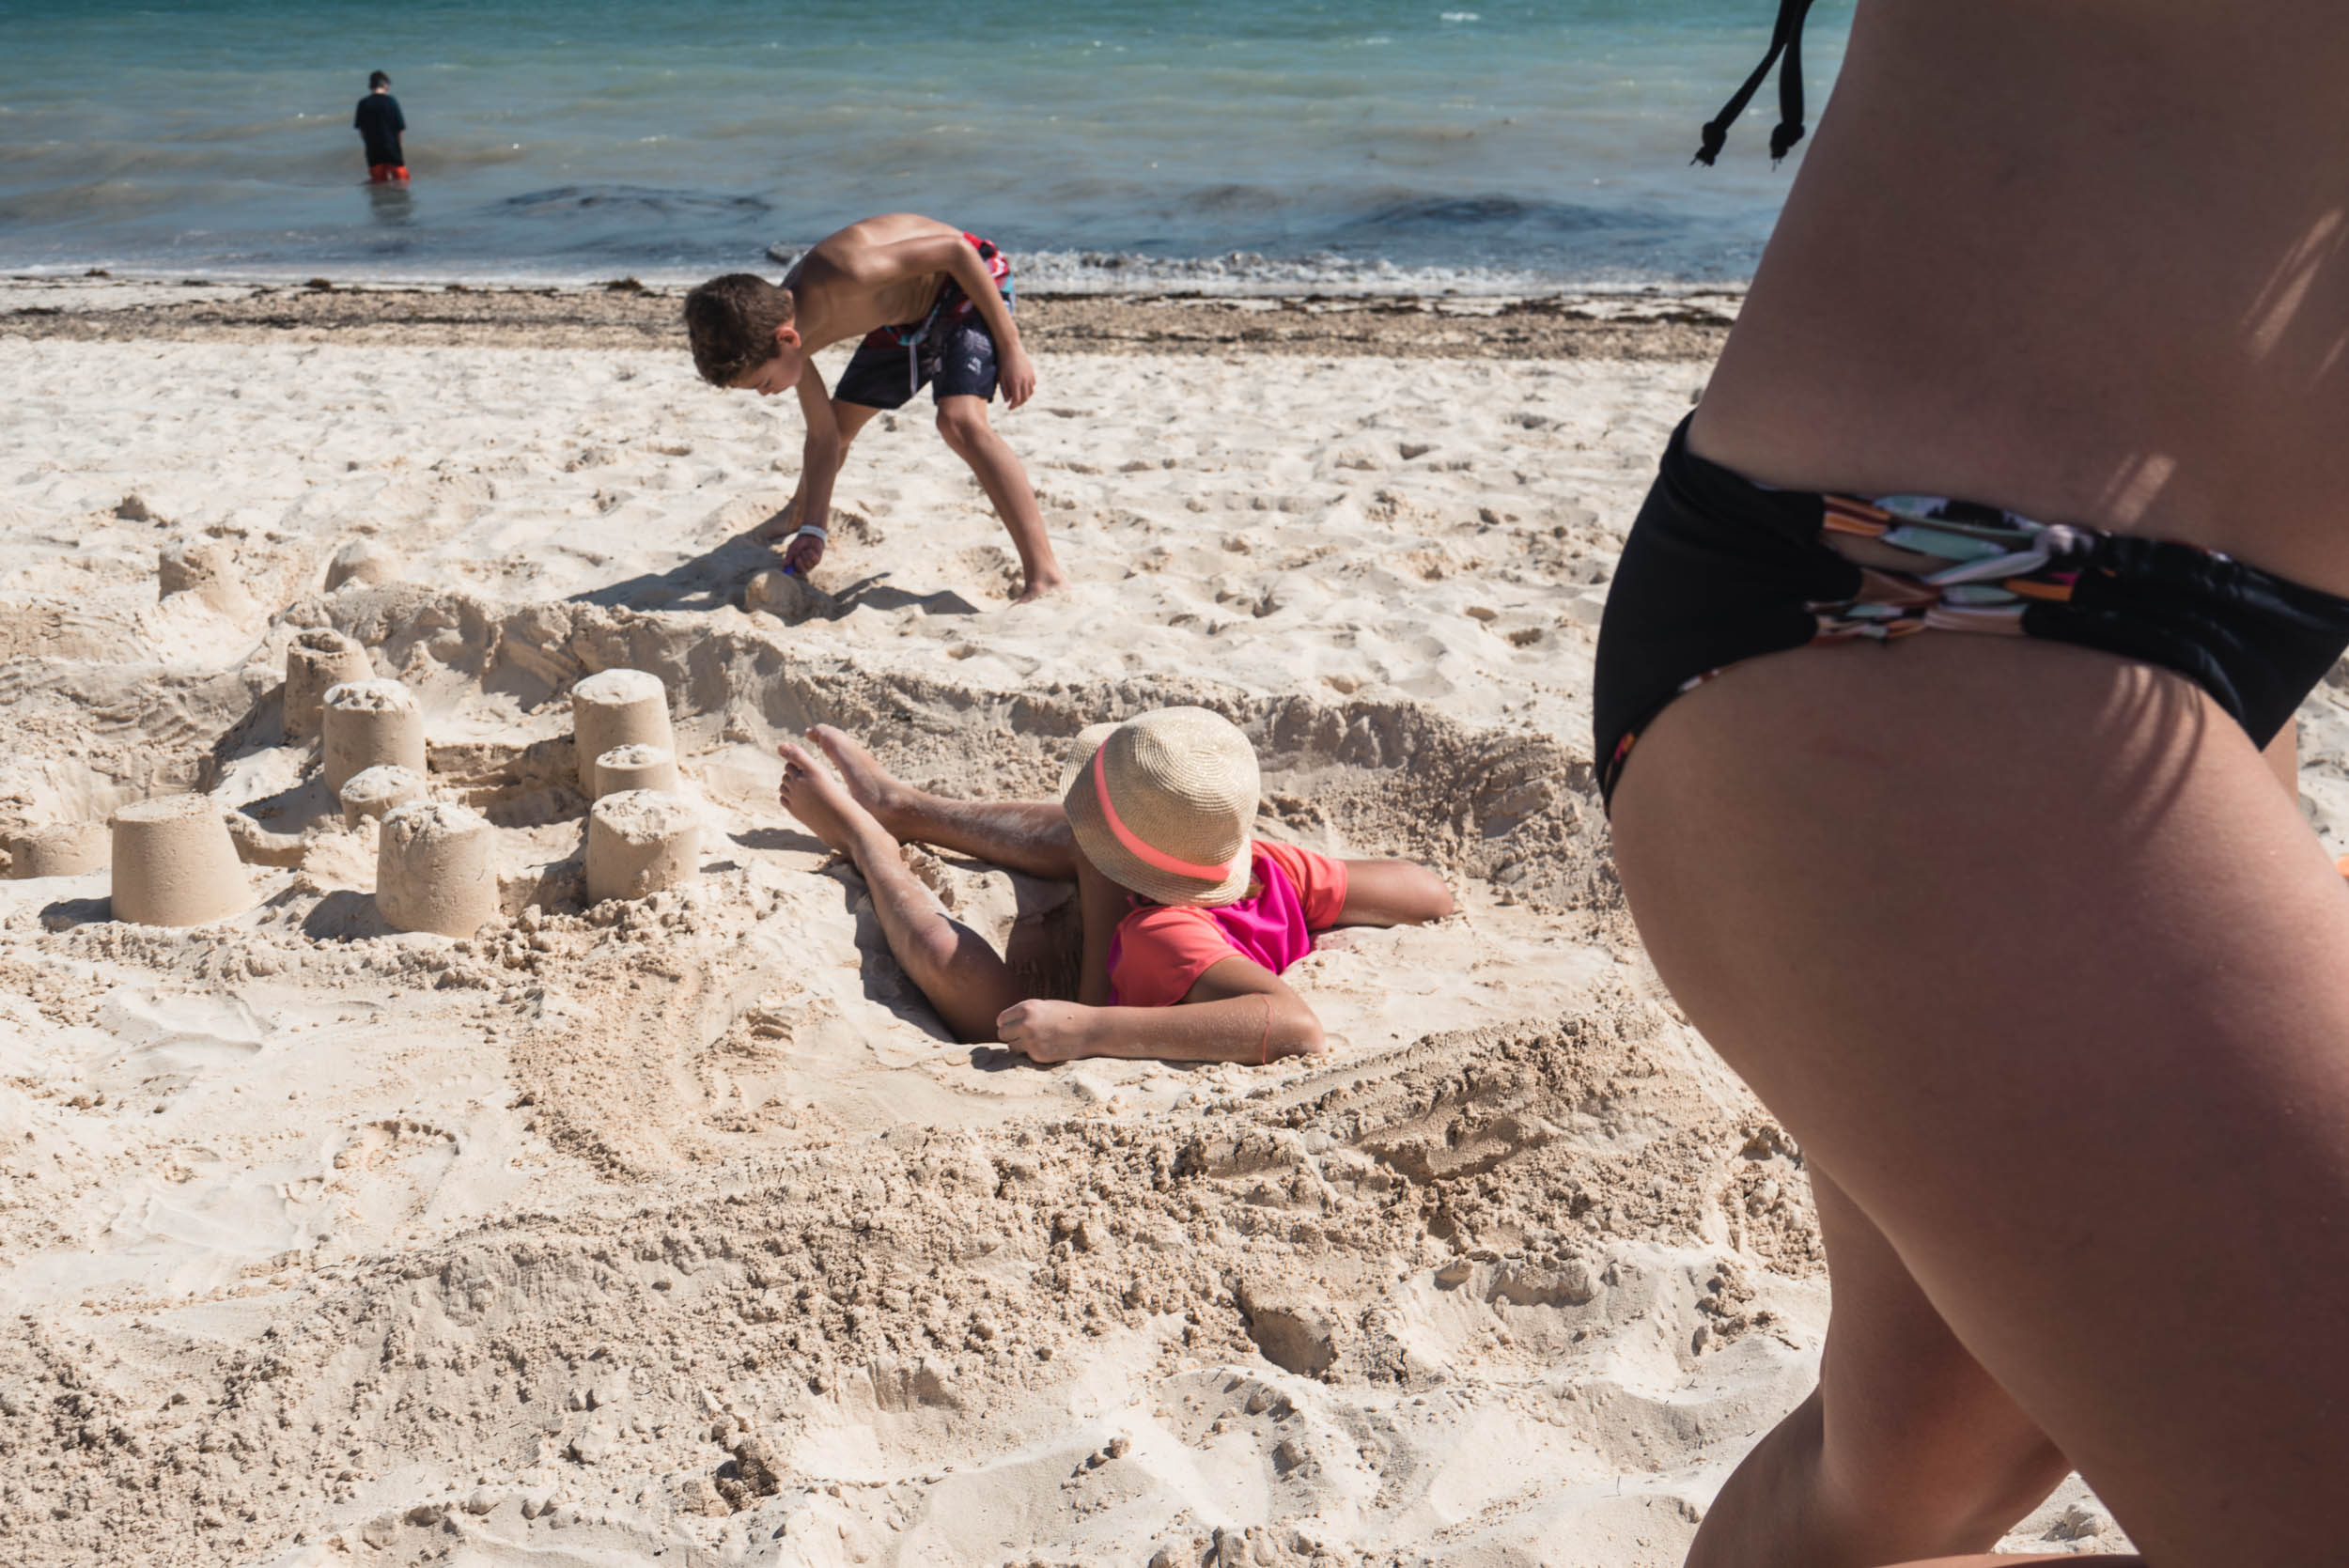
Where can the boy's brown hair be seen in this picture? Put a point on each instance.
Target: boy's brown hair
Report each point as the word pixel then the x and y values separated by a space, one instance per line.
pixel 731 322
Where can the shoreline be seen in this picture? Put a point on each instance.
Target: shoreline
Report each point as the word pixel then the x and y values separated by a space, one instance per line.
pixel 1651 327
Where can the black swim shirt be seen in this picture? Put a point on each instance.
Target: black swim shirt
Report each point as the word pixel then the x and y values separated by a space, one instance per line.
pixel 379 122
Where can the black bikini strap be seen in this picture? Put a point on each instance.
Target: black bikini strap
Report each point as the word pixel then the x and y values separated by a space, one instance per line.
pixel 1786 39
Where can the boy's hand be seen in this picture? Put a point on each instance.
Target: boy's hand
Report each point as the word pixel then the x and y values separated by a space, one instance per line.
pixel 1017 372
pixel 804 553
pixel 1049 1030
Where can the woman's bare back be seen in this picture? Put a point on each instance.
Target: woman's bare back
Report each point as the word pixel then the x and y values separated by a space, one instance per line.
pixel 2087 261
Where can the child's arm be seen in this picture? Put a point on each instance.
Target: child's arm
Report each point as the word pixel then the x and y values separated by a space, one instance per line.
pixel 1101 904
pixel 1239 1011
pixel 956 257
pixel 819 465
pixel 1393 892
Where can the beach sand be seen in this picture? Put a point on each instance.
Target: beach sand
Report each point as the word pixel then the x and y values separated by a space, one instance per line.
pixel 677 1227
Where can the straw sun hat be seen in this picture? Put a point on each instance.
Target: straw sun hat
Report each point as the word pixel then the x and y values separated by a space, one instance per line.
pixel 1162 804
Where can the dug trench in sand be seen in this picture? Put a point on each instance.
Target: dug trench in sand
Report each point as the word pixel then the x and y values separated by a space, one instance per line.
pixel 1186 921
pixel 676 1225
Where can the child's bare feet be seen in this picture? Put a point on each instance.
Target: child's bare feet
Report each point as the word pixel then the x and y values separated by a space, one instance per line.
pixel 822 805
pixel 869 784
pixel 1039 587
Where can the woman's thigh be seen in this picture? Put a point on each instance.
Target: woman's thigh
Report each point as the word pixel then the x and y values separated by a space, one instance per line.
pixel 1910 1421
pixel 2024 944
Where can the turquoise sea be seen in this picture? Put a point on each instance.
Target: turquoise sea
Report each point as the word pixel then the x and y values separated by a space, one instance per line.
pixel 1479 145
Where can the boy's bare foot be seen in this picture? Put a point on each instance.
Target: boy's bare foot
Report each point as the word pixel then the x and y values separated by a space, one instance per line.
pixel 822 805
pixel 1039 587
pixel 869 784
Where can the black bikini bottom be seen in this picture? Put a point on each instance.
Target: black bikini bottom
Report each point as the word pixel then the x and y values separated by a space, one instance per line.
pixel 1719 569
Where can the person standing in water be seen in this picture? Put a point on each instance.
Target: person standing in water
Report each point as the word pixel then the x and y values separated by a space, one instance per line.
pixel 380 123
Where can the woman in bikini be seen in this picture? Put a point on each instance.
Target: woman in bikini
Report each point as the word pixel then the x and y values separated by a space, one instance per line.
pixel 1180 903
pixel 1931 704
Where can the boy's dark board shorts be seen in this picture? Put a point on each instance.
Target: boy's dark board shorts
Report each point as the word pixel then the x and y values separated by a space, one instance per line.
pixel 950 350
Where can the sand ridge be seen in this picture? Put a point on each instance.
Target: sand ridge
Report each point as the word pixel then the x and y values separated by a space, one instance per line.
pixel 1650 324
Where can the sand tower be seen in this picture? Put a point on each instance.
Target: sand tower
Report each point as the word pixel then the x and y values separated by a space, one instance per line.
pixel 174 864
pixel 318 660
pixel 370 723
pixel 363 562
pixel 62 849
pixel 375 791
pixel 640 841
pixel 624 768
pixel 617 708
pixel 436 869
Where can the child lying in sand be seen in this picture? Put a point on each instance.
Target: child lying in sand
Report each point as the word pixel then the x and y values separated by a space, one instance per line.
pixel 932 304
pixel 1179 904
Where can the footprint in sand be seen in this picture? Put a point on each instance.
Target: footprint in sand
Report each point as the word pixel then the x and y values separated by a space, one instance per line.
pixel 389 1172
pixel 383 1144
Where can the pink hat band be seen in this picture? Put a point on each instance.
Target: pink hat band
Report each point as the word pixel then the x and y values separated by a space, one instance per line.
pixel 1134 845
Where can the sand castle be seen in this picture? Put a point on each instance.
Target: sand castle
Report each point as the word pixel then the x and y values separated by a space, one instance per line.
pixel 176 861
pixel 436 869
pixel 617 708
pixel 640 841
pixel 361 561
pixel 437 862
pixel 206 571
pixel 369 723
pixel 375 791
pixel 174 865
pixel 787 596
pixel 316 661
pixel 61 849
pixel 190 567
pixel 625 768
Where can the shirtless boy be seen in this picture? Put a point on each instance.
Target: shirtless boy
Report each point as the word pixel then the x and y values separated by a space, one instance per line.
pixel 932 304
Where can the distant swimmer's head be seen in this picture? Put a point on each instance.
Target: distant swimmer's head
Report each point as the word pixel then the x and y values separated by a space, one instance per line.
pixel 1162 804
pixel 377 82
pixel 740 327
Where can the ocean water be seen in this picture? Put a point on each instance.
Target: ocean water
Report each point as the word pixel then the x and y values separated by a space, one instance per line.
pixel 1225 146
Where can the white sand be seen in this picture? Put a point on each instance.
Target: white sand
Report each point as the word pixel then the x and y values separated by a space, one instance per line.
pixel 680 1227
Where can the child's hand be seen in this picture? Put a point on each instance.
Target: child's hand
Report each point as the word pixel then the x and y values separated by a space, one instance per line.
pixel 805 552
pixel 1049 1030
pixel 1017 372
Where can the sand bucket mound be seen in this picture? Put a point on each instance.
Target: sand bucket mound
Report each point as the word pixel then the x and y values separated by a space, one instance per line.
pixel 637 767
pixel 370 723
pixel 317 660
pixel 436 869
pixel 371 792
pixel 59 849
pixel 640 841
pixel 174 865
